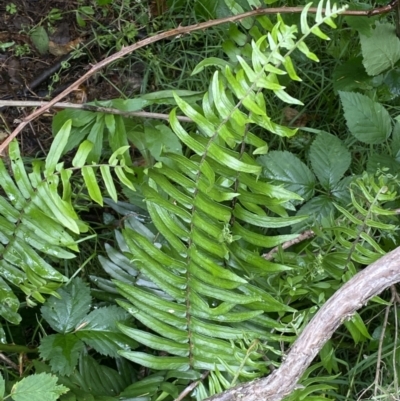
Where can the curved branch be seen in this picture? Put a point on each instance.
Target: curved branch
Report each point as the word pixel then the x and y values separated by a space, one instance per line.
pixel 341 306
pixel 181 30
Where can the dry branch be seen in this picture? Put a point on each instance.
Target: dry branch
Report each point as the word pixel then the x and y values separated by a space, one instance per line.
pixel 182 30
pixel 340 307
pixel 89 107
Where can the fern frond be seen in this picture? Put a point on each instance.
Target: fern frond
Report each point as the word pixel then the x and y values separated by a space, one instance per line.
pixel 214 214
pixel 37 224
pixel 367 218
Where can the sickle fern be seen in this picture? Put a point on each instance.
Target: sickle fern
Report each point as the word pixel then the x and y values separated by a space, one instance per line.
pixel 199 283
pixel 38 226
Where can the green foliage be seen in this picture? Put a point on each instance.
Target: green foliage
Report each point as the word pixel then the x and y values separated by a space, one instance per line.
pixel 381 50
pixel 367 120
pixel 38 224
pixel 190 264
pixel 40 387
pixel 199 289
pixel 330 159
pixel 68 314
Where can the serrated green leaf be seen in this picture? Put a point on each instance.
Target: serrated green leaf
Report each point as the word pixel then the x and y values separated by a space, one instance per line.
pixel 350 75
pixel 38 387
pixel 99 330
pixel 62 351
pixel 65 313
pixel 381 50
pixel 319 211
pixel 330 159
pixel 285 168
pixel 367 120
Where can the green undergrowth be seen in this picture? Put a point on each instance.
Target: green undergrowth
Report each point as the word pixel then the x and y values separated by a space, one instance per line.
pixel 151 252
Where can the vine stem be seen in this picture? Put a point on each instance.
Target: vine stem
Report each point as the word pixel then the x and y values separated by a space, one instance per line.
pixel 369 282
pixel 181 30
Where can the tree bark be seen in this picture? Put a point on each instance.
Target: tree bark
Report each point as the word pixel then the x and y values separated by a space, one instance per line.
pixel 341 306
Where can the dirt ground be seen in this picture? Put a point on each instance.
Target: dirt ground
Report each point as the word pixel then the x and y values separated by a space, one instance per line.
pixel 39 57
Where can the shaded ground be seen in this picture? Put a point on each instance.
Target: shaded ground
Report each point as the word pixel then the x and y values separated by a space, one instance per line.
pixel 45 45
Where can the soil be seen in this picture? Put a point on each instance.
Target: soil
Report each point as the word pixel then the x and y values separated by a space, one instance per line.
pixel 36 70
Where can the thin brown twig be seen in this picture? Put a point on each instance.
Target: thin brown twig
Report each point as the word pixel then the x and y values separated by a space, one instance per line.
pixel 191 387
pixel 89 107
pixel 302 237
pixel 8 361
pixel 181 30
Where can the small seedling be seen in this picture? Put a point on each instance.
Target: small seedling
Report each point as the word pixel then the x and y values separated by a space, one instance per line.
pixel 11 8
pixel 6 45
pixel 22 50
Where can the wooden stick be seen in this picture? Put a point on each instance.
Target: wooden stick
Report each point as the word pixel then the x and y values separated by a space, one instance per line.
pixel 182 30
pixel 89 107
pixel 369 282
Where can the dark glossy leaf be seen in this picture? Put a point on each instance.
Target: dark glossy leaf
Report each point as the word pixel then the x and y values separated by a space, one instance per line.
pixel 381 50
pixel 64 313
pixel 285 168
pixel 367 120
pixel 330 159
pixel 99 330
pixel 62 351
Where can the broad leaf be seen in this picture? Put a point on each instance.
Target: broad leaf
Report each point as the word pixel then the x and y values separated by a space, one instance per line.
pixel 62 351
pixel 350 75
pixel 381 50
pixel 329 159
pixel 99 330
pixel 64 313
pixel 380 161
pixel 285 168
pixel 367 120
pixel 39 387
pixel 319 209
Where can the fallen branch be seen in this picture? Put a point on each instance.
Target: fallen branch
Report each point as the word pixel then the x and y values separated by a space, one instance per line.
pixel 89 107
pixel 302 237
pixel 340 307
pixel 182 30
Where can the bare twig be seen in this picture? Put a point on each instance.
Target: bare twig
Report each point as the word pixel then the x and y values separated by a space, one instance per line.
pixel 191 387
pixel 182 30
pixel 89 107
pixel 302 237
pixel 8 361
pixel 341 306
